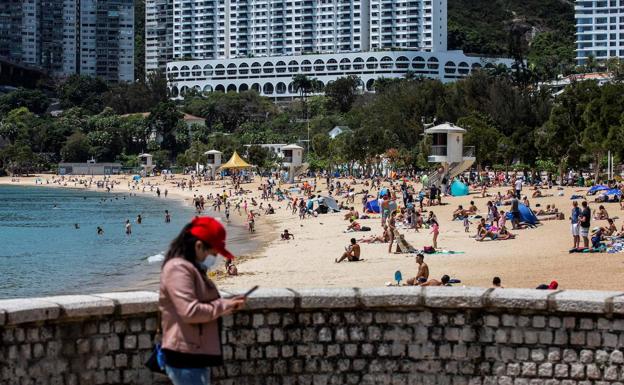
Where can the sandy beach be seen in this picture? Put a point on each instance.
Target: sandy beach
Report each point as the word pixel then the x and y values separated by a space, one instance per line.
pixel 536 255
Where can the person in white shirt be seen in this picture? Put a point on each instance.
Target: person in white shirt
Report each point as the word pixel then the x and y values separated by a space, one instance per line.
pixel 518 187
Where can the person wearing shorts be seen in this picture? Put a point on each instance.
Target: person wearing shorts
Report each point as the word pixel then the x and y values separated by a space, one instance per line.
pixel 574 225
pixel 584 223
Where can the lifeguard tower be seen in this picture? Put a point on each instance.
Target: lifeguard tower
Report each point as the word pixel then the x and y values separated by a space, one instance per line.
pixel 448 150
pixel 145 160
pixel 292 159
pixel 213 161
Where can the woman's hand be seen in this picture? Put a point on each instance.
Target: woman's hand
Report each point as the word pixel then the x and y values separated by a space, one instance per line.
pixel 234 304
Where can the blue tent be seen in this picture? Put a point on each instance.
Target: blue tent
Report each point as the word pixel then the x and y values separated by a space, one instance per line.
pixel 458 189
pixel 614 191
pixel 526 215
pixel 373 206
pixel 594 189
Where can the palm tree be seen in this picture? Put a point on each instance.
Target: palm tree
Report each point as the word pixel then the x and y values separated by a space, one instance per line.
pixel 303 85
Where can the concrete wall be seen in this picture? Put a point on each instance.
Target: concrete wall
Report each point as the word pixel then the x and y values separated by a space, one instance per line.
pixel 404 335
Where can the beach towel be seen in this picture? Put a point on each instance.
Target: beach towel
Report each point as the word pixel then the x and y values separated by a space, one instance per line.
pixel 448 252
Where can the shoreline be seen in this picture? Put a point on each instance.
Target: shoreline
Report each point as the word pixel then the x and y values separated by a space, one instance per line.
pixel 147 275
pixel 536 256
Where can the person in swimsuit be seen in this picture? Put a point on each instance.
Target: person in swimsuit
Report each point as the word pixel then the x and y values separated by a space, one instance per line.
pixel 423 272
pixel 352 254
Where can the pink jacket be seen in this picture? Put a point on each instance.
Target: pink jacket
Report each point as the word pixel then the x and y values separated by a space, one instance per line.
pixel 190 307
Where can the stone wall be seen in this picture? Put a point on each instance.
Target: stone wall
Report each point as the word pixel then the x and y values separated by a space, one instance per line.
pixel 403 335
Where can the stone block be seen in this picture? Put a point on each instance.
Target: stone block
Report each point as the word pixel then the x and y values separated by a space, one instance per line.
pixel 73 306
pixel 618 308
pixel 133 302
pixel 404 296
pixel 17 311
pixel 266 298
pixel 583 301
pixel 454 297
pixel 519 299
pixel 328 298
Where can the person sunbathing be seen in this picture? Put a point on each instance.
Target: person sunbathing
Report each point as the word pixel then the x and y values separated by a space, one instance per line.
pixel 354 226
pixel 444 281
pixel 611 229
pixel 287 236
pixel 504 234
pixel 483 232
pixel 472 209
pixel 460 213
pixel 601 213
pixel 537 193
pixel 351 214
pixel 383 238
pixel 550 210
pixel 352 253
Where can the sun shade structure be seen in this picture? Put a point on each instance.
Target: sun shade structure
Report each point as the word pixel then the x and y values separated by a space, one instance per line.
pixel 235 163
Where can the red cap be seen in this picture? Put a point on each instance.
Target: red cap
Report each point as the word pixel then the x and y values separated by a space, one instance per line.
pixel 212 232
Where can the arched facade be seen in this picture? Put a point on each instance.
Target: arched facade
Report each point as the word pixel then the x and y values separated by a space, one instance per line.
pixel 272 76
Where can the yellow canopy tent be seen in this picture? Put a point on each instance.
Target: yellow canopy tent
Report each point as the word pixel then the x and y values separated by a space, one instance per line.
pixel 235 163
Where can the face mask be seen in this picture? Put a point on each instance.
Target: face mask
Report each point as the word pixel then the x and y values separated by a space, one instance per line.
pixel 210 262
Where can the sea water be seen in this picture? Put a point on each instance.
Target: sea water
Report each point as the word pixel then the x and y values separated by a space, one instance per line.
pixel 42 252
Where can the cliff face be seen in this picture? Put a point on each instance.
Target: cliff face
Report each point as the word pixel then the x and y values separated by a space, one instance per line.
pixel 488 26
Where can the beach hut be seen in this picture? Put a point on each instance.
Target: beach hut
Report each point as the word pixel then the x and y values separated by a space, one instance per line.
pixel 213 161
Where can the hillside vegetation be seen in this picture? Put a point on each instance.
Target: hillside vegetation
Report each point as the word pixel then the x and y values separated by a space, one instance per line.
pixel 539 30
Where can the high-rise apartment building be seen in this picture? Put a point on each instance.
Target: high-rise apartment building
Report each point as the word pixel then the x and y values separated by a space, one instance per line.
pixel 239 45
pixel 599 29
pixel 158 34
pixel 225 29
pixel 64 37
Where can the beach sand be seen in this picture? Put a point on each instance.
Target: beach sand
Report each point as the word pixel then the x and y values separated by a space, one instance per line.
pixel 536 255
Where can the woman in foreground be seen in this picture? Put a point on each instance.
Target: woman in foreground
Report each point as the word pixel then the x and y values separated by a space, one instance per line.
pixel 190 303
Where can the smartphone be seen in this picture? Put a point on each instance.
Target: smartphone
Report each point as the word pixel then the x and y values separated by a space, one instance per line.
pixel 251 291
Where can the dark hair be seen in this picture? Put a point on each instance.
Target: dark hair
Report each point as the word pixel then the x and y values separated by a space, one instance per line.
pixel 421 255
pixel 183 246
pixel 353 241
pixel 496 281
pixel 445 279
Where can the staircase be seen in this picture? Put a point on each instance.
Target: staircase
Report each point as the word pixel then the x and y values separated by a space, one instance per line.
pixel 299 170
pixel 455 169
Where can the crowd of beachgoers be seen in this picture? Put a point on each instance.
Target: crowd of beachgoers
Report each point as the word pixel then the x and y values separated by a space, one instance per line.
pixel 389 214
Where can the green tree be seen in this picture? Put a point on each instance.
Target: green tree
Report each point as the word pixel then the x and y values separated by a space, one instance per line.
pixel 34 101
pixel 559 139
pixel 17 124
pixel 482 134
pixel 83 91
pixel 165 120
pixel 261 157
pixel 76 148
pixel 341 93
pixel 602 119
